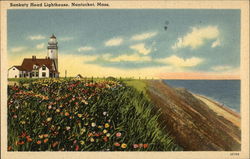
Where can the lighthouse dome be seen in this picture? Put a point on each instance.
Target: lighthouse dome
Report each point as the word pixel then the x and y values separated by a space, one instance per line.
pixel 52 40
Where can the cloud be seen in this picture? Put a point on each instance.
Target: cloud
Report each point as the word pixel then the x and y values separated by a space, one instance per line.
pixel 197 37
pixel 77 66
pixel 180 62
pixel 18 49
pixel 221 68
pixel 40 46
pixel 130 58
pixel 216 43
pixel 85 48
pixel 144 36
pixel 66 38
pixel 36 37
pixel 114 42
pixel 140 48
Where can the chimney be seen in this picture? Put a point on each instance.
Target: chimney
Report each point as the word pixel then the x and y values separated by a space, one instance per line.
pixel 33 57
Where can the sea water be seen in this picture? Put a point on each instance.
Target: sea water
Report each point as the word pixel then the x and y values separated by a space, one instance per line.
pixel 226 92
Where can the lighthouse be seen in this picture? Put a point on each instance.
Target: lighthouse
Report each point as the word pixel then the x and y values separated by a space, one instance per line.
pixel 53 50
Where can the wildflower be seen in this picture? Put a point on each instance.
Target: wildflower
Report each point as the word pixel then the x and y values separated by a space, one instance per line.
pixel 20 142
pixel 107 125
pixel 117 144
pixel 100 126
pixel 135 146
pixel 92 139
pixel 118 134
pixel 22 122
pixel 39 142
pixel 55 144
pixel 145 145
pixel 82 142
pixel 105 138
pixel 82 130
pixel 67 127
pixel 124 146
pixel 45 140
pixel 57 110
pixel 77 148
pixel 66 114
pixel 93 124
pixel 104 113
pixel 108 134
pixel 45 135
pixel 140 145
pixel 15 116
pixel 79 115
pixel 9 148
pixel 49 119
pixel 90 134
pixel 75 141
pixel 49 107
pixel 105 131
pixel 29 139
pixel 40 136
pixel 23 134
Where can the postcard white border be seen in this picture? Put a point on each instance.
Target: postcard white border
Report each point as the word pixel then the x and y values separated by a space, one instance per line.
pixel 243 5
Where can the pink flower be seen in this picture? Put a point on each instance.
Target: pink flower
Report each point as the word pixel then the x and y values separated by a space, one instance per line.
pixel 135 146
pixel 118 134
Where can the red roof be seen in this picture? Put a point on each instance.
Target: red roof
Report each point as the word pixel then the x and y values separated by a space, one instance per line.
pixel 28 63
pixel 19 68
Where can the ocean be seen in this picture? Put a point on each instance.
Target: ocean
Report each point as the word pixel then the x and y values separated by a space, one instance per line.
pixel 226 92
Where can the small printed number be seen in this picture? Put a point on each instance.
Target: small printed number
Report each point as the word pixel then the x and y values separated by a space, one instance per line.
pixel 234 154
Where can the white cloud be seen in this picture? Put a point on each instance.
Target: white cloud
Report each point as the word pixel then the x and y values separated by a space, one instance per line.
pixel 140 48
pixel 180 62
pixel 222 68
pixel 130 58
pixel 144 36
pixel 197 37
pixel 18 49
pixel 36 37
pixel 114 41
pixel 85 48
pixel 40 46
pixel 216 43
pixel 66 38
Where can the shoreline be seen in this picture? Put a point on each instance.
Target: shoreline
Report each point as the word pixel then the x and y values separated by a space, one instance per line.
pixel 221 110
pixel 226 108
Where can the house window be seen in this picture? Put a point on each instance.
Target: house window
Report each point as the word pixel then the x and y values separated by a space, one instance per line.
pixel 20 75
pixel 33 74
pixel 36 74
pixel 15 76
pixel 44 74
pixel 44 67
pixel 14 69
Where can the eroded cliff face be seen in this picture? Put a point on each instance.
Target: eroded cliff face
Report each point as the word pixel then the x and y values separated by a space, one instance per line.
pixel 191 122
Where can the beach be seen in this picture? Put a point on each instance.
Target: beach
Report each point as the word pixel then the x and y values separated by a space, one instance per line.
pixel 227 113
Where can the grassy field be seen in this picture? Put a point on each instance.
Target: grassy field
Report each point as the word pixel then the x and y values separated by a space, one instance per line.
pixel 83 115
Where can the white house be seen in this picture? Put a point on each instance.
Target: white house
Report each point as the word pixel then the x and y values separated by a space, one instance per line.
pixel 38 68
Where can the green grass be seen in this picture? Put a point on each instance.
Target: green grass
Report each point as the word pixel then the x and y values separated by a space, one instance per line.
pixel 139 85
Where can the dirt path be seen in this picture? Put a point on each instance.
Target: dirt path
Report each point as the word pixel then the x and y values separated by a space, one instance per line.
pixel 196 123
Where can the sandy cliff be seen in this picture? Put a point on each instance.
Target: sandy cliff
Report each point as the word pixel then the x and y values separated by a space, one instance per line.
pixel 196 122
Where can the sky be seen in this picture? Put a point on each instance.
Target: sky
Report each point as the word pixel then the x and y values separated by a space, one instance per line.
pixel 146 43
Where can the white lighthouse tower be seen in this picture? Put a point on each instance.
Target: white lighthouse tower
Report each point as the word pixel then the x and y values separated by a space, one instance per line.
pixel 53 50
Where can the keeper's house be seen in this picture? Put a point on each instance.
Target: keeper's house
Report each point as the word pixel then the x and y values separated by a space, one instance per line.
pixel 36 67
